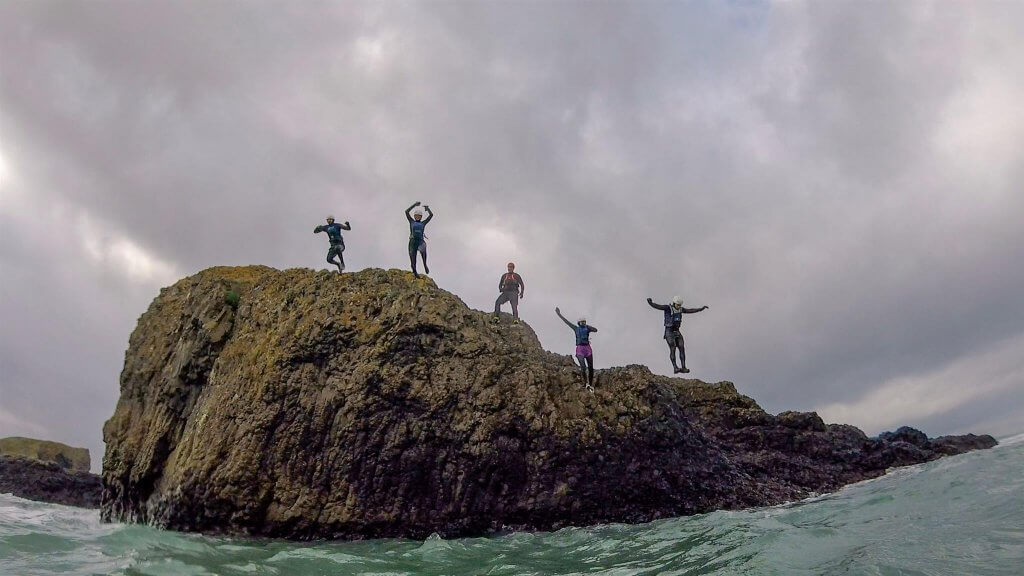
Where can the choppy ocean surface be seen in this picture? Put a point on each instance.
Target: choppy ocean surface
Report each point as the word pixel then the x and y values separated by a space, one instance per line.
pixel 959 515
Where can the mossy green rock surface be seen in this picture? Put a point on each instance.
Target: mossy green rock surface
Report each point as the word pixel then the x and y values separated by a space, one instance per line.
pixel 376 405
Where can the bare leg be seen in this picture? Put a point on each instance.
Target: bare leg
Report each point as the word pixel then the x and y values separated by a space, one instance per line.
pixel 590 369
pixel 672 356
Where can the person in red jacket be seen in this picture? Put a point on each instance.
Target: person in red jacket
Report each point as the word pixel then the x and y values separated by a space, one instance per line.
pixel 512 288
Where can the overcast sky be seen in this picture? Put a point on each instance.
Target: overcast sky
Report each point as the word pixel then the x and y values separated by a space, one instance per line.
pixel 840 181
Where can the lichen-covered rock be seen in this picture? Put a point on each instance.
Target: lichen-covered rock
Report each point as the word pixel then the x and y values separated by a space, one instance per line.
pixel 63 455
pixel 313 405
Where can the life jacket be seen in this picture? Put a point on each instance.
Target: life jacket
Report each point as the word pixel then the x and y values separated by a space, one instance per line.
pixel 673 319
pixel 416 229
pixel 582 335
pixel 509 282
pixel 334 233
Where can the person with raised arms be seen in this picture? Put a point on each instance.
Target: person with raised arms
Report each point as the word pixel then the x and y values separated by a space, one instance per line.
pixel 417 235
pixel 673 320
pixel 584 353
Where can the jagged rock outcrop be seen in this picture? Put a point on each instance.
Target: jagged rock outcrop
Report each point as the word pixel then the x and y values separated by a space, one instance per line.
pixel 48 482
pixel 304 404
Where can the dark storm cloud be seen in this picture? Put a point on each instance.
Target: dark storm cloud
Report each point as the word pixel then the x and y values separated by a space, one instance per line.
pixel 831 178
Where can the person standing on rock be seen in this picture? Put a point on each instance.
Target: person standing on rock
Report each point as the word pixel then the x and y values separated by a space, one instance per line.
pixel 673 320
pixel 417 236
pixel 584 354
pixel 337 242
pixel 512 288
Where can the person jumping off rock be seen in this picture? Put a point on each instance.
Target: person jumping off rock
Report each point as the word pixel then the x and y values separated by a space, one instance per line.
pixel 584 354
pixel 673 320
pixel 512 288
pixel 337 242
pixel 417 236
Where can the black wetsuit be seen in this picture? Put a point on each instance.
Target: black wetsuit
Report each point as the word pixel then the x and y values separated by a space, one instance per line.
pixel 417 238
pixel 673 337
pixel 337 242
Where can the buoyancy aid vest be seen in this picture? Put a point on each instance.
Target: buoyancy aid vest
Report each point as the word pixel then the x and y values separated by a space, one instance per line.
pixel 673 318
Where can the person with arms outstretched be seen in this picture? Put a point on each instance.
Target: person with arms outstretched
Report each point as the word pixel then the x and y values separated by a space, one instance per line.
pixel 337 242
pixel 417 236
pixel 673 320
pixel 512 288
pixel 584 354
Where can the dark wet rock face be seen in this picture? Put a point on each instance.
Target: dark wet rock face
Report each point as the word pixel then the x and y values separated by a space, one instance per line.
pixel 48 482
pixel 906 434
pixel 376 405
pixel 796 454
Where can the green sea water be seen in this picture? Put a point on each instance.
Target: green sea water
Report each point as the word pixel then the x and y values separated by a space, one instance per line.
pixel 959 515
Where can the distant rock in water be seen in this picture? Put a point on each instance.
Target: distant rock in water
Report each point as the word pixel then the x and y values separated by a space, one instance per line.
pixel 48 472
pixel 67 457
pixel 303 404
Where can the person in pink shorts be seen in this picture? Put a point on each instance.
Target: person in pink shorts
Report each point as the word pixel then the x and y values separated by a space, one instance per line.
pixel 584 353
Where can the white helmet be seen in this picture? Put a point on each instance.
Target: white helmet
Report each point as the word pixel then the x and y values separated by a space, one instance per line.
pixel 581 320
pixel 417 212
pixel 330 216
pixel 677 301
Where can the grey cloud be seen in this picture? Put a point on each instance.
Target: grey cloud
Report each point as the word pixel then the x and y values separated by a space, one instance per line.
pixel 774 161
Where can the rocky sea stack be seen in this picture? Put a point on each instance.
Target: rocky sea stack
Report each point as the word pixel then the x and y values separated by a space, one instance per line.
pixel 304 404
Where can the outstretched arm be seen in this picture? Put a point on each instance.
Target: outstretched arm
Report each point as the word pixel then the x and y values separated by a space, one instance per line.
pixel 318 229
pixel 567 323
pixel 694 310
pixel 429 214
pixel 591 328
pixel 345 226
pixel 657 306
pixel 408 211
